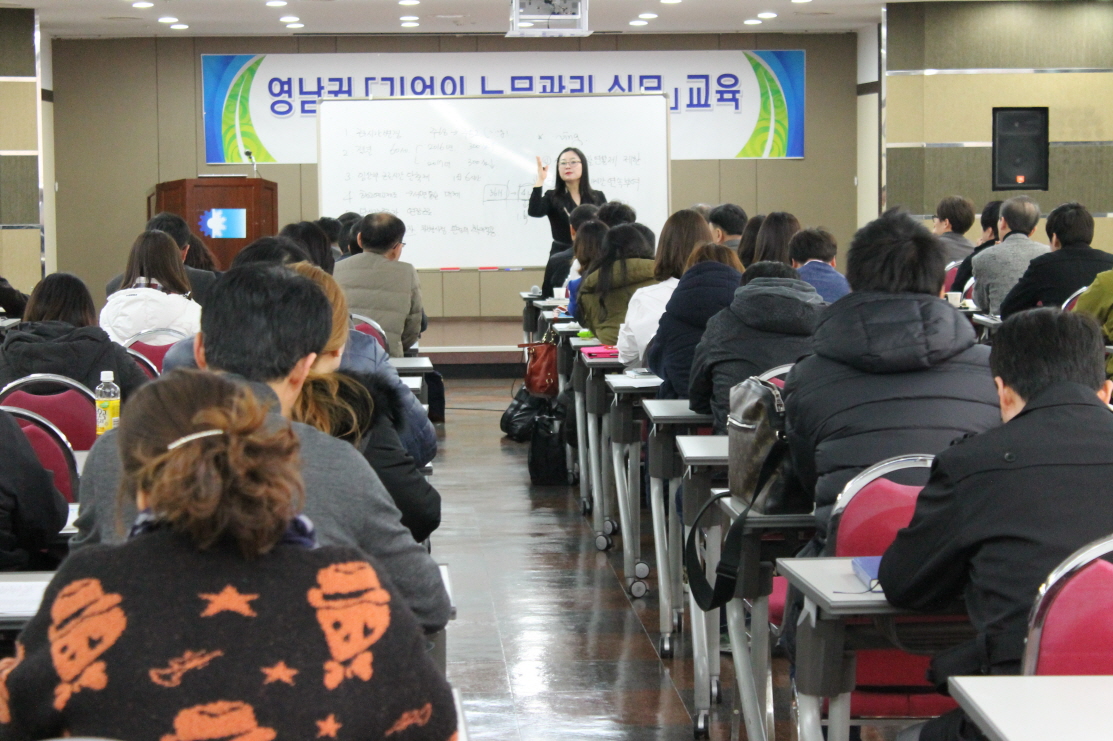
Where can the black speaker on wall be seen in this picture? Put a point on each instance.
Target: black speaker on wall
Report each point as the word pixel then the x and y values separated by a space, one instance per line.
pixel 1020 149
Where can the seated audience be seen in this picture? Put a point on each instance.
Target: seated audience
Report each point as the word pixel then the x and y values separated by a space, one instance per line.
pixel 813 255
pixel 267 325
pixel 603 296
pixel 727 222
pixel 219 599
pixel 178 229
pixel 680 235
pixel 711 276
pixel 1097 301
pixel 12 302
pixel 954 216
pixel 773 237
pixel 59 335
pixel 331 227
pixel 156 293
pixel 31 509
pixel 588 249
pixel 379 285
pixel 616 213
pixel 747 245
pixel 769 323
pixel 199 256
pixel 1004 508
pixel 895 369
pixel 349 227
pixel 991 212
pixel 559 265
pixel 1072 263
pixel 998 268
pixel 367 411
pixel 314 240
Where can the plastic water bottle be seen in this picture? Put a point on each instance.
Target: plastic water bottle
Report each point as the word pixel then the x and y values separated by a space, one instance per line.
pixel 108 403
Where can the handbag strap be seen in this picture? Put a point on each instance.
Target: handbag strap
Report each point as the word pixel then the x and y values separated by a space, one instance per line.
pixel 709 597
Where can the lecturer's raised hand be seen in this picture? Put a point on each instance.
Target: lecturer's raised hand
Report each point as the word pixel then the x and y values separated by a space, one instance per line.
pixel 542 173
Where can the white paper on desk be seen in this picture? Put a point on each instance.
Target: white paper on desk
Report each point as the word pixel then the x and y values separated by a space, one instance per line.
pixel 21 599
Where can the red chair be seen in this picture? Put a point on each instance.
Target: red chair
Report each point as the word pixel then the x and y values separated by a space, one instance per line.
pixel 952 271
pixel 869 512
pixel 144 363
pixel 51 448
pixel 72 410
pixel 368 326
pixel 1070 630
pixel 776 376
pixel 154 351
pixel 1068 305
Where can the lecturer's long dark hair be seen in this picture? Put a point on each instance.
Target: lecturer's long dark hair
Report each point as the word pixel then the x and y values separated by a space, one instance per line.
pixel 587 195
pixel 621 243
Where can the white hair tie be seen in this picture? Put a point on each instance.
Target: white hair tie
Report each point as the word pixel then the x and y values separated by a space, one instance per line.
pixel 195 436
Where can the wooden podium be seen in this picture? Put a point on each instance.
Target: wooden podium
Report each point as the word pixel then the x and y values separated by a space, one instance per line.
pixel 194 200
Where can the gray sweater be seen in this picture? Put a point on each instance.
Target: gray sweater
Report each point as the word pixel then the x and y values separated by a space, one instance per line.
pixel 343 497
pixel 998 268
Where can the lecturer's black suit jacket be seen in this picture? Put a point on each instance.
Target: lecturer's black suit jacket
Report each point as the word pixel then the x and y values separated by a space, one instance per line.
pixel 1002 510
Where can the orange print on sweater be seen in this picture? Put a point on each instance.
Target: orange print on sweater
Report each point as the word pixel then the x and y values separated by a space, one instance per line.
pixel 85 622
pixel 6 667
pixel 171 676
pixel 219 721
pixel 228 599
pixel 411 718
pixel 353 610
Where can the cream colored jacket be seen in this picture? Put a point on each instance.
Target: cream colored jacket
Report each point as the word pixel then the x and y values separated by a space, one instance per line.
pixel 388 292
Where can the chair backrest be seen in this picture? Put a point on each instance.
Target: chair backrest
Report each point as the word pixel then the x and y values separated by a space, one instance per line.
pixel 968 290
pixel 155 354
pixel 51 448
pixel 1070 629
pixel 871 508
pixel 144 363
pixel 73 410
pixel 151 336
pixel 776 376
pixel 368 326
pixel 1068 305
pixel 952 271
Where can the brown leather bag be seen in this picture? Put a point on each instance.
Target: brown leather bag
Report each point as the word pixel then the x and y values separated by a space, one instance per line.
pixel 541 367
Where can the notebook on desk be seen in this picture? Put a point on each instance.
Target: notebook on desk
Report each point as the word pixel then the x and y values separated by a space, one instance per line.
pixel 600 351
pixel 865 568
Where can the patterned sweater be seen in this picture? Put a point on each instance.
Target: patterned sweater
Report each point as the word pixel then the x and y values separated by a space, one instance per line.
pixel 158 640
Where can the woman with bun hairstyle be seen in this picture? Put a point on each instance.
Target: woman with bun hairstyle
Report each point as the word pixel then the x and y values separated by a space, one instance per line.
pixel 626 265
pixel 573 187
pixel 219 618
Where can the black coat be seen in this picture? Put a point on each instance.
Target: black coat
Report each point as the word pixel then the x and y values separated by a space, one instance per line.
pixel 769 323
pixel 966 268
pixel 704 290
pixel 12 301
pixel 556 272
pixel 412 493
pixel 31 509
pixel 1051 279
pixel 80 353
pixel 1002 510
pixel 199 283
pixel 892 373
pixel 557 208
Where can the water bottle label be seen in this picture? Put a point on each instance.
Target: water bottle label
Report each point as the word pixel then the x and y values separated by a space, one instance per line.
pixel 108 415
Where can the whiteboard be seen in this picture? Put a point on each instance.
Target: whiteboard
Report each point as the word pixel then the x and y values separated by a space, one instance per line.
pixel 459 171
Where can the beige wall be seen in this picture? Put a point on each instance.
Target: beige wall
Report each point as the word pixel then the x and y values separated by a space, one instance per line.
pixel 127 115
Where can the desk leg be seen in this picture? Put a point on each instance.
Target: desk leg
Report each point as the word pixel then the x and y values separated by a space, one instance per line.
pixel 760 659
pixel 753 709
pixel 597 495
pixel 711 562
pixel 676 550
pixel 609 496
pixel 581 452
pixel 618 456
pixel 700 658
pixel 809 724
pixel 657 506
pixel 838 718
pixel 634 496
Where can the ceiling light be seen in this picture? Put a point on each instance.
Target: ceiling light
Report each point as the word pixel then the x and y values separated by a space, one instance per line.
pixel 167 19
pixel 142 4
pixel 639 23
pixel 409 2
pixel 670 2
pixel 410 24
pixel 276 3
pixel 525 24
pixel 647 16
pixel 767 15
pixel 295 25
pixel 801 1
pixel 179 27
pixel 289 19
pixel 408 18
pixel 752 22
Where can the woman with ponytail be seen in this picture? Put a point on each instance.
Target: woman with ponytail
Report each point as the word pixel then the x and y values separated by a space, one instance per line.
pixel 219 618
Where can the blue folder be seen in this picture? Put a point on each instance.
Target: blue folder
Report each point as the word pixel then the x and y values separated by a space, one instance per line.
pixel 865 568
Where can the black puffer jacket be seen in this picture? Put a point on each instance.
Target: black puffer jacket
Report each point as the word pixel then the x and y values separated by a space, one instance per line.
pixel 412 493
pixel 80 353
pixel 891 374
pixel 769 323
pixel 704 290
pixel 31 509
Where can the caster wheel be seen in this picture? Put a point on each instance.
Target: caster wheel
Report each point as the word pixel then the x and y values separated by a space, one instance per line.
pixel 610 527
pixel 666 647
pixel 641 569
pixel 585 507
pixel 702 728
pixel 716 691
pixel 573 479
pixel 638 589
pixel 603 542
pixel 677 623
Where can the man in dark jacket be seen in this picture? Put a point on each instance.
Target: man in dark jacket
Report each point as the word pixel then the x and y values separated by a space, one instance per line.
pixel 1072 263
pixel 769 323
pixel 12 301
pixel 1004 508
pixel 896 369
pixel 31 509
pixel 178 229
pixel 560 263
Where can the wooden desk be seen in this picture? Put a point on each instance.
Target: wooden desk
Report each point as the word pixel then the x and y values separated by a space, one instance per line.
pixel 1037 708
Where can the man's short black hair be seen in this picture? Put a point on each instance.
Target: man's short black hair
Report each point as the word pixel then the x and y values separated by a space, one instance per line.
pixel 812 244
pixel 896 254
pixel 260 320
pixel 728 217
pixel 1034 349
pixel 379 232
pixel 614 213
pixel 958 210
pixel 315 241
pixel 580 214
pixel 271 250
pixel 769 269
pixel 1021 214
pixel 173 225
pixel 331 227
pixel 991 213
pixel 1071 223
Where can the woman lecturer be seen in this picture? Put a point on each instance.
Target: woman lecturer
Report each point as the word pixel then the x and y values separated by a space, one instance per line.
pixel 572 189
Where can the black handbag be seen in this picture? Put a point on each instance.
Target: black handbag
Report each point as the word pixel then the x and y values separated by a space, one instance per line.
pixel 517 421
